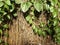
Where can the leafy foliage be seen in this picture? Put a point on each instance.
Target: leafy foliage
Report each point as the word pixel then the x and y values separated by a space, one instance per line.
pixel 25 6
pixel 8 9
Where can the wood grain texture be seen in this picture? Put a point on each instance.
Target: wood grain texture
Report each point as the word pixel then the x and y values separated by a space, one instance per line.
pixel 20 33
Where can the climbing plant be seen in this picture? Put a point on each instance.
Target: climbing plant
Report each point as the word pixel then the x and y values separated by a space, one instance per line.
pixel 9 8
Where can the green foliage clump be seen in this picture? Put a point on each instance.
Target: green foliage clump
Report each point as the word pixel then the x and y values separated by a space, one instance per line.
pixel 9 8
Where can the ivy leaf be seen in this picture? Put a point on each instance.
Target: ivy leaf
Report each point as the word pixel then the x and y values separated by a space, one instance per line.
pixel 49 31
pixel 38 6
pixel 6 6
pixel 30 21
pixel 18 2
pixel 42 24
pixel 0 41
pixel 59 6
pixel 44 33
pixel 54 2
pixel 55 13
pixel 15 14
pixel 8 16
pixel 0 31
pixel 28 18
pixel 12 8
pixel 46 6
pixel 59 9
pixel 51 9
pixel 0 21
pixel 1 0
pixel 33 26
pixel 55 22
pixel 7 2
pixel 25 6
pixel 32 1
pixel 39 32
pixel 5 26
pixel 58 35
pixel 1 4
pixel 57 29
pixel 4 13
pixel 35 30
pixel 57 39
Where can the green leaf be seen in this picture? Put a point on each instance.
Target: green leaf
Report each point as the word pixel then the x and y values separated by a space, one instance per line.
pixel 46 6
pixel 1 4
pixel 6 6
pixel 5 26
pixel 4 13
pixel 32 1
pixel 12 8
pixel 15 14
pixel 51 9
pixel 7 2
pixel 30 21
pixel 44 33
pixel 55 13
pixel 59 9
pixel 57 39
pixel 0 41
pixel 1 0
pixel 59 4
pixel 49 31
pixel 25 6
pixel 58 34
pixel 8 16
pixel 35 30
pixel 33 26
pixel 54 2
pixel 55 22
pixel 28 17
pixel 38 6
pixel 40 32
pixel 57 29
pixel 42 24
pixel 0 31
pixel 0 21
pixel 18 2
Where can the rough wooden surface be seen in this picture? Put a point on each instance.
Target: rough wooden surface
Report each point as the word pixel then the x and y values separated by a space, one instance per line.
pixel 21 33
